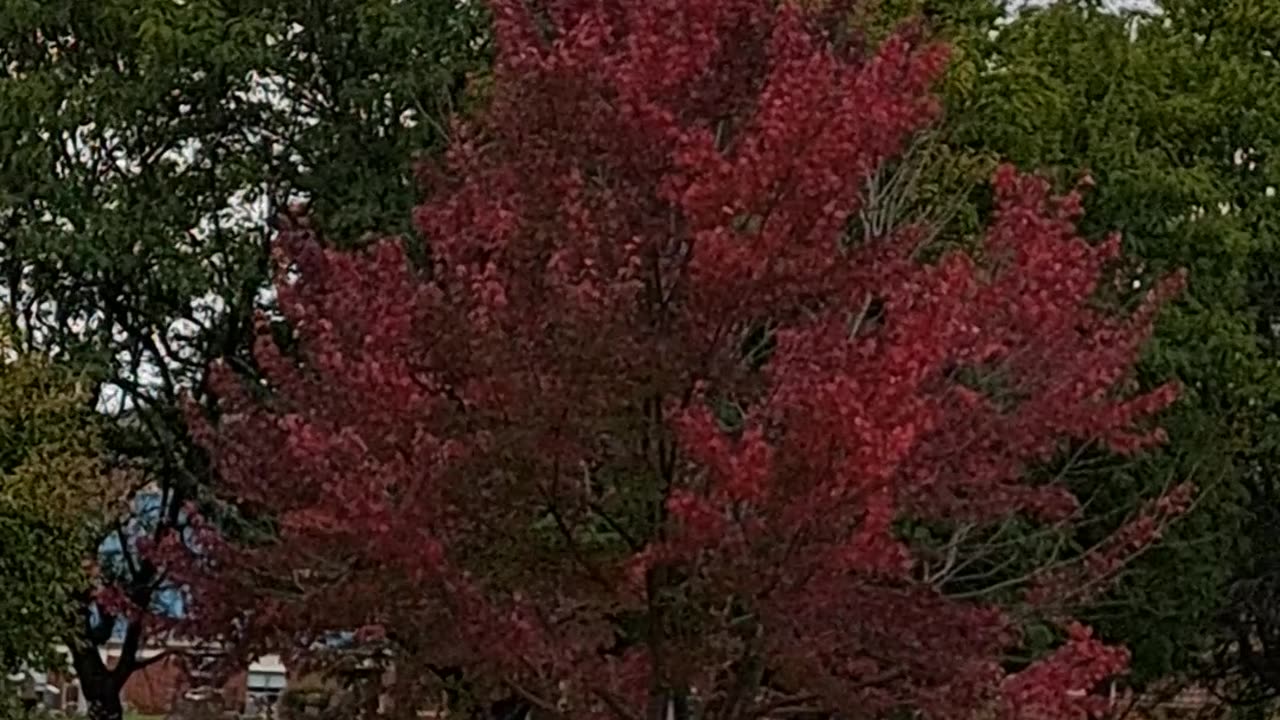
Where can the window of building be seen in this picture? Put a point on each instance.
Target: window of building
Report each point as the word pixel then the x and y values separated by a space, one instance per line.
pixel 263 690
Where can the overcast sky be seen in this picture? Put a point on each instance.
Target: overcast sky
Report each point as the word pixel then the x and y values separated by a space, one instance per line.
pixel 1113 4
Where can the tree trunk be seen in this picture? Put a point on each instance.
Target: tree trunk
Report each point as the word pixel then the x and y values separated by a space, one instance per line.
pixel 461 701
pixel 104 701
pixel 98 684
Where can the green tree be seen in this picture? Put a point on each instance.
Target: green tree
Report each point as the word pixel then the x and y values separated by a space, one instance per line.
pixel 146 144
pixel 1176 114
pixel 54 494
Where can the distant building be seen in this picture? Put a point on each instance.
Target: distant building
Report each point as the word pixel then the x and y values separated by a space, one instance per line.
pixel 159 687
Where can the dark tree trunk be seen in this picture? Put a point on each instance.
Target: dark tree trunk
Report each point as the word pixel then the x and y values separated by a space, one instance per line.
pixel 461 701
pixel 509 709
pixel 99 684
pixel 103 697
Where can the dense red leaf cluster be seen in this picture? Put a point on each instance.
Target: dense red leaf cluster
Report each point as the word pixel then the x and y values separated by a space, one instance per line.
pixel 644 427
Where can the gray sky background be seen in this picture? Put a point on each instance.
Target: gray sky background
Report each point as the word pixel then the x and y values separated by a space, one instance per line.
pixel 1113 4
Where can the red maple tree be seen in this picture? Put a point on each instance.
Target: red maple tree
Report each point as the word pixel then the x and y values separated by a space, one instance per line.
pixel 640 436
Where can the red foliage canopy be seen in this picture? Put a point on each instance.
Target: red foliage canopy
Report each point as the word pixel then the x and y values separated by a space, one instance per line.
pixel 644 430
